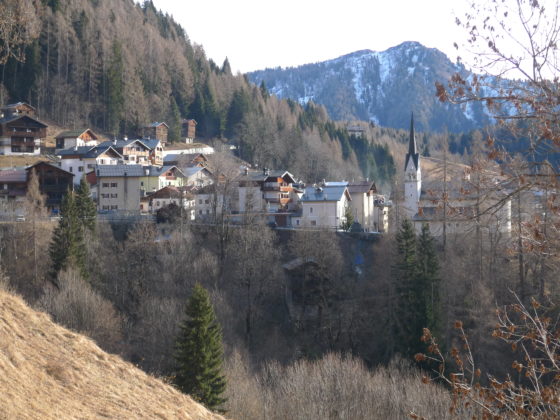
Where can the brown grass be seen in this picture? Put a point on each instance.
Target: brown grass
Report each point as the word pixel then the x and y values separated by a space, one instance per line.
pixel 49 372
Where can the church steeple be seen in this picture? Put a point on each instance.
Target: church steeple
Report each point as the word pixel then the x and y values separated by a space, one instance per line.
pixel 412 149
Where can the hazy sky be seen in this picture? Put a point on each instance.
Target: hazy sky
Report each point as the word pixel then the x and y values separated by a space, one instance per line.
pixel 255 34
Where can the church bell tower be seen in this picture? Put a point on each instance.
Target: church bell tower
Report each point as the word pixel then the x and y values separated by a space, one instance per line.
pixel 412 174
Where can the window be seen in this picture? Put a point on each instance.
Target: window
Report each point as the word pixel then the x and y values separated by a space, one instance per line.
pixel 200 201
pixel 114 207
pixel 310 210
pixel 104 195
pixel 141 183
pixel 105 207
pixel 206 201
pixel 113 185
pixel 297 222
pixel 80 169
pixel 105 185
pixel 71 170
pixel 113 195
pixel 90 166
pixel 207 211
pixel 157 203
pixel 101 161
pixel 200 212
pixel 313 223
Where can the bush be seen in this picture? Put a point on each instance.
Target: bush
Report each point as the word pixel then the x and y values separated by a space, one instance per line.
pixel 78 307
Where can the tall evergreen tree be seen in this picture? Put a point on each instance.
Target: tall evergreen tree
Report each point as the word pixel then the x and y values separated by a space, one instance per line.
pixel 174 121
pixel 85 206
pixel 199 352
pixel 417 300
pixel 409 314
pixel 428 280
pixel 67 244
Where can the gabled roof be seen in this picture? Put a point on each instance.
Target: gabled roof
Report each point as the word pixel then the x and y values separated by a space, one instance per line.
pixel 75 133
pixel 119 170
pixel 361 187
pixel 262 176
pixel 15 117
pixel 157 124
pixel 121 144
pixel 151 143
pixel 18 104
pixel 191 170
pixel 326 193
pixel 160 170
pixel 166 192
pixel 88 152
pixel 42 163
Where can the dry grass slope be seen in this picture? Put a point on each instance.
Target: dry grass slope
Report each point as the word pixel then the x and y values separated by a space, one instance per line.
pixel 49 372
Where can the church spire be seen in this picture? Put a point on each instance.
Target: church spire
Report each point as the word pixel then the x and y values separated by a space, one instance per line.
pixel 412 149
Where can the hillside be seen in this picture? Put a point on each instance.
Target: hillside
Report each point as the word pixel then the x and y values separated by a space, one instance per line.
pixel 382 87
pixel 48 372
pixel 87 68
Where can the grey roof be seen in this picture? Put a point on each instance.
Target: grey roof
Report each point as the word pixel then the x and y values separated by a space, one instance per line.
pixel 87 151
pixel 119 170
pixel 119 144
pixel 261 176
pixel 150 143
pixel 159 170
pixel 14 117
pixel 361 187
pixel 74 133
pixel 156 124
pixel 191 170
pixel 326 193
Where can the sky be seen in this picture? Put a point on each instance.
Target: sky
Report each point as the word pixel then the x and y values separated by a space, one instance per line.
pixel 258 34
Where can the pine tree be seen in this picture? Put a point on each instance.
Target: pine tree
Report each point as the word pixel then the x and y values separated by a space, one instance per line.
pixel 85 206
pixel 409 314
pixel 174 121
pixel 428 280
pixel 199 352
pixel 67 244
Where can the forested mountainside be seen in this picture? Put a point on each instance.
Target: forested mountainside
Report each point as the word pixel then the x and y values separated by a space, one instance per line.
pixel 382 87
pixel 115 66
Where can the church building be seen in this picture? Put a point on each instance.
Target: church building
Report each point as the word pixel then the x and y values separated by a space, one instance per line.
pixel 452 198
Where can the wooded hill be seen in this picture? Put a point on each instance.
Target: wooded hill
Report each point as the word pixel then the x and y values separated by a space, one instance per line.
pixel 115 66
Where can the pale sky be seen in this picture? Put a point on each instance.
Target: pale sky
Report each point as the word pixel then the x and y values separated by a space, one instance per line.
pixel 255 34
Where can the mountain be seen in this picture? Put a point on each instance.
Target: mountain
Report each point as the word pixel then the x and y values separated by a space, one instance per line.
pixel 49 372
pixel 381 87
pixel 115 66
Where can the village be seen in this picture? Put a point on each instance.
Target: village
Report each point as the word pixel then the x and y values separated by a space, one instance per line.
pixel 135 178
pixel 139 177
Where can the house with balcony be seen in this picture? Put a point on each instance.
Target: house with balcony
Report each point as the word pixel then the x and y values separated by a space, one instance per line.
pixel 155 146
pixel 84 159
pixel 54 183
pixel 134 152
pixel 76 138
pixel 271 191
pixel 20 133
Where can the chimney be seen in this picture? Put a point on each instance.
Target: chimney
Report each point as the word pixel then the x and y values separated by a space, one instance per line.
pixel 114 141
pixel 246 170
pixel 147 171
pixel 125 138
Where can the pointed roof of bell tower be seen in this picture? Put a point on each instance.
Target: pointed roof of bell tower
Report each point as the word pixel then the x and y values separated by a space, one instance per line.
pixel 412 149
